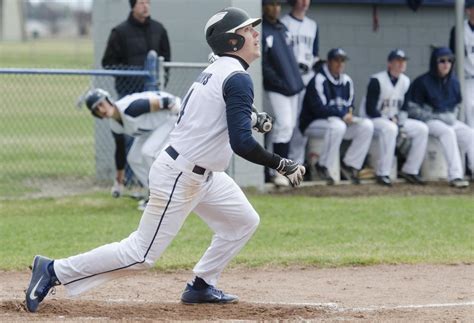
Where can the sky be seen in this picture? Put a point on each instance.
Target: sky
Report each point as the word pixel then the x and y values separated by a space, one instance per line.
pixel 84 4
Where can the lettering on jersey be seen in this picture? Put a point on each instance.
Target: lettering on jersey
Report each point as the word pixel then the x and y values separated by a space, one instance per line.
pixel 302 39
pixel 339 102
pixel 203 78
pixel 397 103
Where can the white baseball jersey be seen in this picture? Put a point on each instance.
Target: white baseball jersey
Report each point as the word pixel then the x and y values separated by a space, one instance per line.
pixel 391 96
pixel 303 34
pixel 142 124
pixel 469 46
pixel 203 138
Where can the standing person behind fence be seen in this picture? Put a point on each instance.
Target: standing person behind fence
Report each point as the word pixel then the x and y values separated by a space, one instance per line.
pixel 468 60
pixel 281 81
pixel 327 112
pixel 189 175
pixel 304 33
pixel 148 117
pixel 127 48
pixel 434 97
pixel 382 103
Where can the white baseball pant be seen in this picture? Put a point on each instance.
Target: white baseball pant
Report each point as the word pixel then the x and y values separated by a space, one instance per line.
pixel 417 131
pixel 298 141
pixel 145 147
pixel 175 191
pixel 284 109
pixel 455 138
pixel 387 132
pixel 334 130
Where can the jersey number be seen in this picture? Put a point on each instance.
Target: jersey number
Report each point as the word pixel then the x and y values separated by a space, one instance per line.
pixel 183 106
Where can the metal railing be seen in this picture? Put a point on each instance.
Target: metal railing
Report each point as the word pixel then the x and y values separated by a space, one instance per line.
pixel 49 146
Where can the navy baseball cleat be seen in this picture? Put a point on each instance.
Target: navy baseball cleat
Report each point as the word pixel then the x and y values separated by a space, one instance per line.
pixel 209 294
pixel 42 280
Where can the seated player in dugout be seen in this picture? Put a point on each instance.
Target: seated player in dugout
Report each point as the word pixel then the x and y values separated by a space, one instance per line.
pixel 328 113
pixel 148 117
pixel 383 105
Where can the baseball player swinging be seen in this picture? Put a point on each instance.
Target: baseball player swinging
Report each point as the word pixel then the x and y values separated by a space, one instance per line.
pixel 188 175
pixel 147 116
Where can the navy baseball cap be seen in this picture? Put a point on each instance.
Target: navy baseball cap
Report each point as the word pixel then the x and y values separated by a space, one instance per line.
pixel 397 54
pixel 469 4
pixel 337 53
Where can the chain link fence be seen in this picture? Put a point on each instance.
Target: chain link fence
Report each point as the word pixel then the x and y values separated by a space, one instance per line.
pixel 48 145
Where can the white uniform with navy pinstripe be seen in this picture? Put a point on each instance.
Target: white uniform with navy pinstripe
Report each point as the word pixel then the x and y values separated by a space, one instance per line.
pixel 187 177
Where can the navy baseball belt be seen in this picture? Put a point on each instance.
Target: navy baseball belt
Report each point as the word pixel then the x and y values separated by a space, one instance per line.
pixel 174 154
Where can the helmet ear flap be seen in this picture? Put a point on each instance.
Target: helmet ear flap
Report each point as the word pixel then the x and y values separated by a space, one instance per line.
pixel 227 42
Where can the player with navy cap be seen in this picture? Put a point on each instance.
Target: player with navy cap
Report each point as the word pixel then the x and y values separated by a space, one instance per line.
pixel 189 176
pixel 327 112
pixel 382 104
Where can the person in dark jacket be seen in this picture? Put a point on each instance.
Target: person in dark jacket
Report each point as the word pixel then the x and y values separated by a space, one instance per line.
pixel 127 48
pixel 327 112
pixel 281 80
pixel 434 97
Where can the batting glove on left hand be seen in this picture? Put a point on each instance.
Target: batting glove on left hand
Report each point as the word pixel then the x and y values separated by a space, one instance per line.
pixel 292 170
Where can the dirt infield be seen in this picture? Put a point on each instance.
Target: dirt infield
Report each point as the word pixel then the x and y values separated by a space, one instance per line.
pixel 402 292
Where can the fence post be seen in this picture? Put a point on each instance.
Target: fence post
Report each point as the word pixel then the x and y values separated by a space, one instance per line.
pixel 161 72
pixel 151 83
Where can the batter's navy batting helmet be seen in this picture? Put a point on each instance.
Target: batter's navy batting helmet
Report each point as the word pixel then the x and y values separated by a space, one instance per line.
pixel 94 97
pixel 220 29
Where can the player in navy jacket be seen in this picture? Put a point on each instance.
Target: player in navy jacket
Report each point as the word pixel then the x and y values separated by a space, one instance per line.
pixel 434 98
pixel 281 81
pixel 327 112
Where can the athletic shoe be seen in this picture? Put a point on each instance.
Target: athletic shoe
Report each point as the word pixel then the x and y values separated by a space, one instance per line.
pixel 280 180
pixel 412 178
pixel 206 295
pixel 42 280
pixel 459 183
pixel 323 173
pixel 350 173
pixel 383 180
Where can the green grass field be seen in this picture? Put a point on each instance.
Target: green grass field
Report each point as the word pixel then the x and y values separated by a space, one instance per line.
pixel 42 134
pixel 293 230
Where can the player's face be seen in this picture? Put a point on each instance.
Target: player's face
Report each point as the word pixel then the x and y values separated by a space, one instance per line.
pixel 251 49
pixel 141 10
pixel 397 66
pixel 336 66
pixel 444 65
pixel 302 4
pixel 272 11
pixel 104 109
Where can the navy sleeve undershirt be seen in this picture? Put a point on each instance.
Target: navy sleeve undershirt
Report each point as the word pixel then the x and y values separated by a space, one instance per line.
pixel 238 96
pixel 138 107
pixel 373 93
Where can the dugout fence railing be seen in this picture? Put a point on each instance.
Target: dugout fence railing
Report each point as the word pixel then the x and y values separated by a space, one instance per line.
pixel 48 145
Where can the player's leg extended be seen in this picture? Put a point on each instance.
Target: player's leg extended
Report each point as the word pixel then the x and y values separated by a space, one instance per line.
pixel 418 132
pixel 361 133
pixel 230 215
pixel 170 203
pixel 136 160
pixel 386 131
pixel 332 130
pixel 447 137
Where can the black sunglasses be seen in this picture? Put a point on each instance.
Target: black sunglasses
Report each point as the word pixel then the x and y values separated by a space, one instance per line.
pixel 445 60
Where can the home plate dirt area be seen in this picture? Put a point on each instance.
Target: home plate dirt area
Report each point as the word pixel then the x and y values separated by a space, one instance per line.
pixel 375 293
